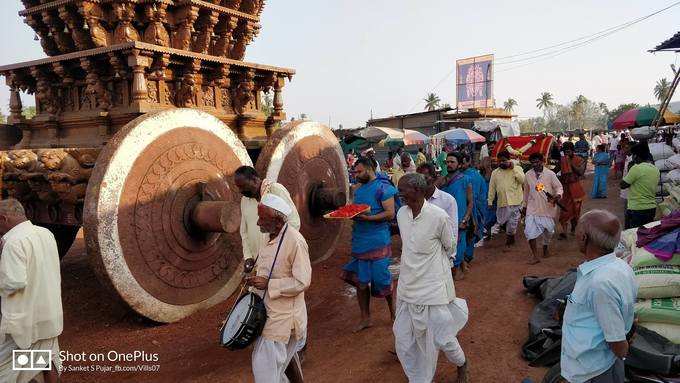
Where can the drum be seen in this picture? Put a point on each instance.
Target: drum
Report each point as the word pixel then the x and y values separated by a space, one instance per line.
pixel 244 323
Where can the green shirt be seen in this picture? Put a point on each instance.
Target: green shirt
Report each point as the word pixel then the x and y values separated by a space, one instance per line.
pixel 441 162
pixel 643 180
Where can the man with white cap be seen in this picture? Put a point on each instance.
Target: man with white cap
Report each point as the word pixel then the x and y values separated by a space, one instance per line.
pixel 283 273
pixel 252 187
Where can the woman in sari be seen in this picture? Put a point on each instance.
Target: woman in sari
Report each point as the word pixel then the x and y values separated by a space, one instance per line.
pixel 571 168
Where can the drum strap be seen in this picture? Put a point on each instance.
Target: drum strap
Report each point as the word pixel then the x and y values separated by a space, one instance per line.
pixel 278 248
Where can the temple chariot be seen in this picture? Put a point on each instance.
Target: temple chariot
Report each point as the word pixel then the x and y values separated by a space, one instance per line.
pixel 144 110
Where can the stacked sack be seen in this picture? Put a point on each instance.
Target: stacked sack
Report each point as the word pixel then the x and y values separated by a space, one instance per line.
pixel 658 305
pixel 668 163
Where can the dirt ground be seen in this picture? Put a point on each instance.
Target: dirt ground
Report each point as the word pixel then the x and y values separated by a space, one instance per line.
pixel 188 351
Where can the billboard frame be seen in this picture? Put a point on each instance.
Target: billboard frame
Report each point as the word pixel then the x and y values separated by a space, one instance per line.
pixel 487 82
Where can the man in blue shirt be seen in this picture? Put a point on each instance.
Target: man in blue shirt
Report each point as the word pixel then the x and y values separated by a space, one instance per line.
pixel 480 190
pixel 371 240
pixel 600 310
pixel 459 186
pixel 582 147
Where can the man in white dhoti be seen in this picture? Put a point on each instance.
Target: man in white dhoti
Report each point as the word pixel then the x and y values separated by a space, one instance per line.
pixel 283 290
pixel 253 188
pixel 542 190
pixel 30 294
pixel 429 315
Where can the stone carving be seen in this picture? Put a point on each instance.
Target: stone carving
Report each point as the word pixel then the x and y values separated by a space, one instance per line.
pixel 244 93
pixel 234 4
pixel 80 37
pixel 96 92
pixel 92 13
pixel 186 94
pixel 208 93
pixel 153 91
pixel 61 166
pixel 46 97
pixel 160 252
pixel 183 36
pixel 169 94
pixel 125 32
pixel 57 178
pixel 226 100
pixel 205 34
pixel 245 33
pixel 18 167
pixel 21 165
pixel 156 33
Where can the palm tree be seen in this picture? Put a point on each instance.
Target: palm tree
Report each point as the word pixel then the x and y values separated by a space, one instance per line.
pixel 509 105
pixel 662 88
pixel 545 101
pixel 432 102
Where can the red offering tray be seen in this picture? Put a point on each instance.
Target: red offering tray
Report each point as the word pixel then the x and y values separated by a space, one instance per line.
pixel 348 211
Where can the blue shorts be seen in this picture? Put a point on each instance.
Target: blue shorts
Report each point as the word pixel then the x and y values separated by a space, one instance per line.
pixel 374 273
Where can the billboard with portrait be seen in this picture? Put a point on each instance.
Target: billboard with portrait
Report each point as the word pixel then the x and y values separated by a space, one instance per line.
pixel 474 82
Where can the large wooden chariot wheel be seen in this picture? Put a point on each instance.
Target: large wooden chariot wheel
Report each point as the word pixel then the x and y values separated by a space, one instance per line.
pixel 305 157
pixel 161 213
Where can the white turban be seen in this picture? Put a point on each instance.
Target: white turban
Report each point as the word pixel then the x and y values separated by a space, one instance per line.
pixel 277 203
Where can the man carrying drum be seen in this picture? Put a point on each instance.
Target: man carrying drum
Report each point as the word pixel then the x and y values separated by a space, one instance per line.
pixel 283 273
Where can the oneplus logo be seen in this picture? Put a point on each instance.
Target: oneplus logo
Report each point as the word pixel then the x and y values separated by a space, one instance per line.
pixel 32 360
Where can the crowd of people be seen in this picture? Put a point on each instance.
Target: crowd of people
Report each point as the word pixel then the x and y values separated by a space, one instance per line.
pixel 476 201
pixel 442 208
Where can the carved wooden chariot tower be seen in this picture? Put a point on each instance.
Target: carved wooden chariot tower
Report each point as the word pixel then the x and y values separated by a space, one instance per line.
pixel 145 108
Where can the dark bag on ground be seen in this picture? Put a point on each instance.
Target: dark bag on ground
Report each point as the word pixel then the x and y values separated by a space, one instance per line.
pixel 650 353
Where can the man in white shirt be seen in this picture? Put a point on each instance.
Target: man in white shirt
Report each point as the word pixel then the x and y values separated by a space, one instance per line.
pixel 596 140
pixel 613 143
pixel 442 200
pixel 253 188
pixel 30 294
pixel 429 315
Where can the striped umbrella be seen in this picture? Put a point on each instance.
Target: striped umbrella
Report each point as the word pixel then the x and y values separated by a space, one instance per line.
pixel 642 117
pixel 412 137
pixel 459 136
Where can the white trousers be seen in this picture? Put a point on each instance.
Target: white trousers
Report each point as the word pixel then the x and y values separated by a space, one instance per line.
pixel 271 358
pixel 420 332
pixel 535 226
pixel 509 215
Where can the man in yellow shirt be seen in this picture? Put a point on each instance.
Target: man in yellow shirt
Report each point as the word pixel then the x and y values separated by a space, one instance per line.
pixel 30 295
pixel 421 158
pixel 507 184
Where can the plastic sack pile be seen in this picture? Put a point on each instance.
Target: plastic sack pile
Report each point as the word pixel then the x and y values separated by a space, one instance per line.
pixel 657 271
pixel 668 163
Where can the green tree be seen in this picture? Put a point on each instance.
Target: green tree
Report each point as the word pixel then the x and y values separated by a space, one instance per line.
pixel 431 102
pixel 545 102
pixel 532 125
pixel 3 118
pixel 662 89
pixel 509 105
pixel 29 112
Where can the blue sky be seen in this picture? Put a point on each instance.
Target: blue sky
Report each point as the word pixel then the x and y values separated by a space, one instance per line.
pixel 354 56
